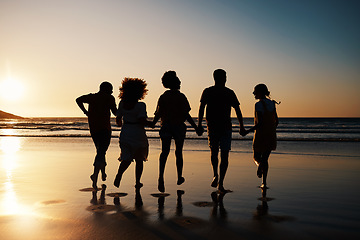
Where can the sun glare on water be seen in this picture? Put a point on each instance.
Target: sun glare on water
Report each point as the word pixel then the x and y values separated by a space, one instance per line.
pixel 11 89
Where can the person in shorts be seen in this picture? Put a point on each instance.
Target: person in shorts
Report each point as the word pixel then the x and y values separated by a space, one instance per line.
pixel 218 101
pixel 173 110
pixel 98 113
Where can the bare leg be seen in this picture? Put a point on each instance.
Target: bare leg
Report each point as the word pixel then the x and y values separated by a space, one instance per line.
pixel 94 177
pixel 123 166
pixel 103 174
pixel 223 168
pixel 138 172
pixel 265 166
pixel 179 160
pixel 214 164
pixel 165 150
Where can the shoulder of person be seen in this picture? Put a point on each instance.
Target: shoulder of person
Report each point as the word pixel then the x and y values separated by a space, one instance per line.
pixel 141 104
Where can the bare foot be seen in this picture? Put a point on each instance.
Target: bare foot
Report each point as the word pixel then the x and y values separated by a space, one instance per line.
pixel 117 180
pixel 180 181
pixel 161 186
pixel 94 180
pixel 214 182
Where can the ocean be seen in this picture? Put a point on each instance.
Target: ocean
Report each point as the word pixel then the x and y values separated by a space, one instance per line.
pixel 289 129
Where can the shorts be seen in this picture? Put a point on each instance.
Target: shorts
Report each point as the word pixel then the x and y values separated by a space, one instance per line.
pixel 220 140
pixel 101 140
pixel 177 132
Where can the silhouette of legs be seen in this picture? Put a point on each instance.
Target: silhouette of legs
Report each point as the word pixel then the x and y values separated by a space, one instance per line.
pixel 123 166
pixel 265 166
pixel 214 164
pixel 179 144
pixel 165 150
pixel 138 173
pixel 261 159
pixel 223 168
pixel 101 140
pixel 219 181
pixel 94 177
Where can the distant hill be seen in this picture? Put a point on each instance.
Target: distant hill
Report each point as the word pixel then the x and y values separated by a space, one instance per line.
pixel 8 115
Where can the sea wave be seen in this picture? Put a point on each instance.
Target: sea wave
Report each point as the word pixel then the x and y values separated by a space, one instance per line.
pixel 289 129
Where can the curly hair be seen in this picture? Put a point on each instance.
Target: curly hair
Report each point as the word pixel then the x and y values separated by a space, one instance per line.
pixel 133 89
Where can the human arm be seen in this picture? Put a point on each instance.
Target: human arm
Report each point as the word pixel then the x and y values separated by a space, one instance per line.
pixel 259 122
pixel 200 118
pixel 192 123
pixel 155 120
pixel 113 108
pixel 80 102
pixel 240 119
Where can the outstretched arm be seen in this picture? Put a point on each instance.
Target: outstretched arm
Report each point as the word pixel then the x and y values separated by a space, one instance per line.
pixel 80 102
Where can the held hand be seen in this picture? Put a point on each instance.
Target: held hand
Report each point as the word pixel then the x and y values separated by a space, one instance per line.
pixel 199 130
pixel 152 124
pixel 243 132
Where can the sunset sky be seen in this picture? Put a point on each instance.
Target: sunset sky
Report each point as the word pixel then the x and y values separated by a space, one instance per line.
pixel 306 51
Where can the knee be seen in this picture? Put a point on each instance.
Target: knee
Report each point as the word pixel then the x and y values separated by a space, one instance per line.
pixel 164 153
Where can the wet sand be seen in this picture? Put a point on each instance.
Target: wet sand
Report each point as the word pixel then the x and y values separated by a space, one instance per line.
pixel 45 193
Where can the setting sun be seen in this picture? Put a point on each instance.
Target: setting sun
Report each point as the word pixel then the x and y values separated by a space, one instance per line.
pixel 11 89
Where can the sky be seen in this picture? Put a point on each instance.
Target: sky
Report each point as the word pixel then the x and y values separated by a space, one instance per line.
pixel 307 52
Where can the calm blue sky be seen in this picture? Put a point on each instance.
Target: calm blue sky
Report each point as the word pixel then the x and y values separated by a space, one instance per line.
pixel 307 52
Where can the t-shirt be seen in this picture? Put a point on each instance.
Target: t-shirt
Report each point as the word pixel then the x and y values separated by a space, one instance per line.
pixel 219 101
pixel 99 114
pixel 172 107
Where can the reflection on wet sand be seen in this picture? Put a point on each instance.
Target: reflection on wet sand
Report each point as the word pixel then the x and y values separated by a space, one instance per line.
pixel 262 210
pixel 10 147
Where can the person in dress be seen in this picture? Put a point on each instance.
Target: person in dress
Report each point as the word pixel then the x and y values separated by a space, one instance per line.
pixel 173 110
pixel 265 124
pixel 131 116
pixel 100 105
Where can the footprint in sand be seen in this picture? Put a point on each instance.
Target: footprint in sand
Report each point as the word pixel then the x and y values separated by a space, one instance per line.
pixel 89 189
pixel 51 202
pixel 160 194
pixel 119 194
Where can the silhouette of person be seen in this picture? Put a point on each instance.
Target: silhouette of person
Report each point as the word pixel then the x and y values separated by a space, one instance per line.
pixel 266 121
pixel 131 116
pixel 173 109
pixel 218 101
pixel 99 106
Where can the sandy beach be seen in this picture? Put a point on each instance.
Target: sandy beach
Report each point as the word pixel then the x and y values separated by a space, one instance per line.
pixel 45 193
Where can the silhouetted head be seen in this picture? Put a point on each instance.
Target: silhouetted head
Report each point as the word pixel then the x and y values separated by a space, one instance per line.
pixel 132 89
pixel 170 80
pixel 106 87
pixel 261 91
pixel 219 77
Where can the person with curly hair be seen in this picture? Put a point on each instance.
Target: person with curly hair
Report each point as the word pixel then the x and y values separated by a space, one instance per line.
pixel 131 116
pixel 173 110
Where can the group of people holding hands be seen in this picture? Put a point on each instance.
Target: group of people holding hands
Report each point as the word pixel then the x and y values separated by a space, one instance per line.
pixel 173 110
